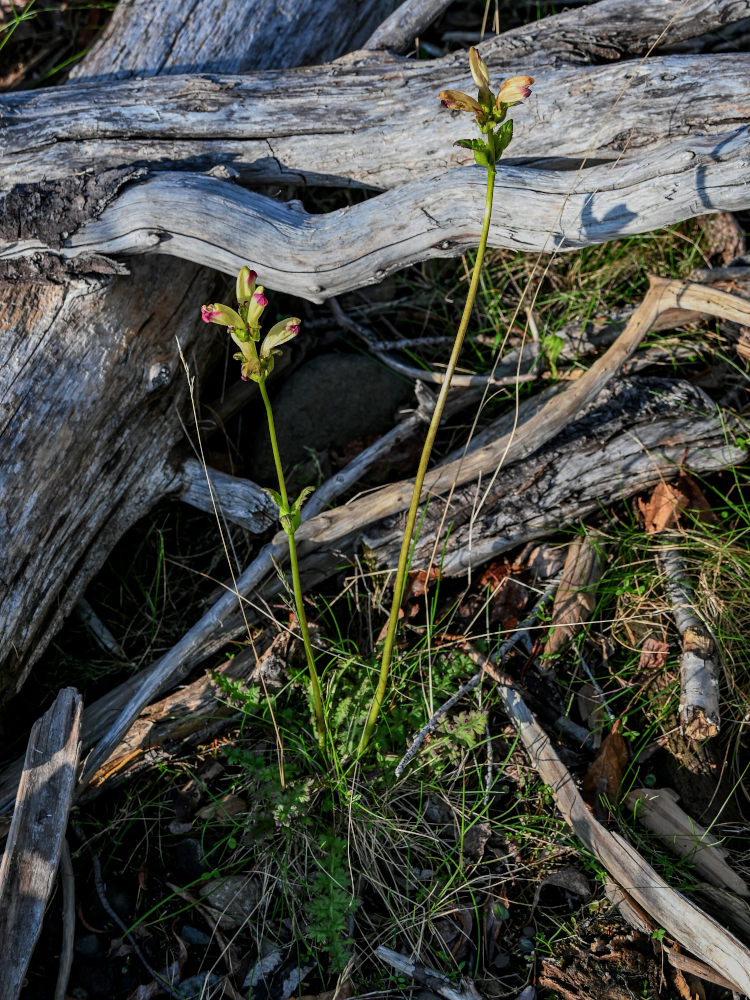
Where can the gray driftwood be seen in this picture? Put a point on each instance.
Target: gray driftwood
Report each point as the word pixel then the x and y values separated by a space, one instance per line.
pixel 37 832
pixel 94 399
pixel 672 170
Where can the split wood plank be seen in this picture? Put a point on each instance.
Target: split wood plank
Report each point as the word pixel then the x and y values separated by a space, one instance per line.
pixel 37 832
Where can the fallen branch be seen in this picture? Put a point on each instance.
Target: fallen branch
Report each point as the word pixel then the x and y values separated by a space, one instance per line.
pixel 320 256
pixel 662 295
pixel 434 981
pixel 683 920
pixel 398 31
pixel 658 811
pixel 699 663
pixel 37 832
pixel 237 500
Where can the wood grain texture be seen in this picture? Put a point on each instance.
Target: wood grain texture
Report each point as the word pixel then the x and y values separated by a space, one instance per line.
pixel 319 256
pixel 37 831
pixel 369 120
pixel 94 403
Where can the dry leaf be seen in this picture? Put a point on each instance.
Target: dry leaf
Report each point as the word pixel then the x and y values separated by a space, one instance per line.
pixel 605 774
pixel 654 655
pixel 669 501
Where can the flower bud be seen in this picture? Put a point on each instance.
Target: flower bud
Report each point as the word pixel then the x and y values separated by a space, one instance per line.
pixel 218 313
pixel 245 284
pixel 278 335
pixel 479 70
pixel 256 305
pixel 457 101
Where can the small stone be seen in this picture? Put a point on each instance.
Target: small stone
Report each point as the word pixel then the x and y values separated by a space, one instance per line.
pixel 192 935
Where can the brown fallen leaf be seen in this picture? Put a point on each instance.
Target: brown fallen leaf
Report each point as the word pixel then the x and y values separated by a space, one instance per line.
pixel 654 655
pixel 604 776
pixel 669 501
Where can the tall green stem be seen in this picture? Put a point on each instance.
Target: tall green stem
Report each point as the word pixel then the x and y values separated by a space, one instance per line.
pixel 403 560
pixel 320 724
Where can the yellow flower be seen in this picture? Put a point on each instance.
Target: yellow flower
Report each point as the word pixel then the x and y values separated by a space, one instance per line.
pixel 514 90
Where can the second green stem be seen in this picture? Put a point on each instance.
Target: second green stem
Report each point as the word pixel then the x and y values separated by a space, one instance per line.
pixel 403 561
pixel 320 724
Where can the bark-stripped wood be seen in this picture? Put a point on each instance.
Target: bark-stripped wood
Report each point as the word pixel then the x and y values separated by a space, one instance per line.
pixel 319 256
pixel 657 810
pixel 237 500
pixel 327 124
pixel 699 663
pixel 37 831
pixel 398 32
pixel 94 399
pixel 634 435
pixel 683 920
pixel 544 425
pixel 232 36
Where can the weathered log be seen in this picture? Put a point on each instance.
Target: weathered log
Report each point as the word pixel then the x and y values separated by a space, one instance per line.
pixel 327 125
pixel 634 435
pixel 93 395
pixel 318 256
pixel 35 840
pixel 668 174
pixel 232 36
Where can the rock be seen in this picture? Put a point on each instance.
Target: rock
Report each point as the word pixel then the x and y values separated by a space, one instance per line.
pixel 233 898
pixel 328 402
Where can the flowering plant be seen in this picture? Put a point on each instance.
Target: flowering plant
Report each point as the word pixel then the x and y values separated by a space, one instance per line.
pixel 244 327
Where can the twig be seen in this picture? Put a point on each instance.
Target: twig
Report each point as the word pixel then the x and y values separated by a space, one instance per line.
pixel 435 981
pixel 519 635
pixel 423 374
pixel 67 879
pixel 101 891
pixel 99 630
pixel 699 664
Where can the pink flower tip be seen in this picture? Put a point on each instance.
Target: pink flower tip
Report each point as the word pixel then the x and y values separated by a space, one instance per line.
pixel 252 276
pixel 260 299
pixel 293 329
pixel 208 315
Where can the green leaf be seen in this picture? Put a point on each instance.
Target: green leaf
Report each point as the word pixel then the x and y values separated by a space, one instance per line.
pixel 502 138
pixel 275 496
